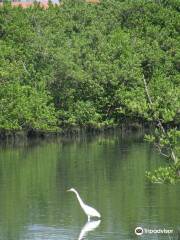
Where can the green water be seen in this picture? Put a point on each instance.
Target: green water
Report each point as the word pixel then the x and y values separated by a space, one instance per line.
pixel 107 170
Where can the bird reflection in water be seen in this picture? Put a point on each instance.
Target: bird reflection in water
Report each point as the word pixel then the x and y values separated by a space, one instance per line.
pixel 88 227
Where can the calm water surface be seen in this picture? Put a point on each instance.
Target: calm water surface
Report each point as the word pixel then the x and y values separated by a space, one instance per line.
pixel 107 170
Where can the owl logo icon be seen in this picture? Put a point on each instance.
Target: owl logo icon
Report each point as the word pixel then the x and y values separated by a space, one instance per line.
pixel 138 231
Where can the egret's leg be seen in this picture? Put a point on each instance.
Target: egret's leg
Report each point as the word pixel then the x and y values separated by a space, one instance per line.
pixel 88 218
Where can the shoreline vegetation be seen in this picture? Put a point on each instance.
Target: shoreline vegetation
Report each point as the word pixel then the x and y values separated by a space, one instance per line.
pixel 80 65
pixel 72 131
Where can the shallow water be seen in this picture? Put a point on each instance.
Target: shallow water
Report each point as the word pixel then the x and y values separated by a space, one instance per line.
pixel 109 173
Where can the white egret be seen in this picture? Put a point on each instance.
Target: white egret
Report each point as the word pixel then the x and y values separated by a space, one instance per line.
pixel 89 211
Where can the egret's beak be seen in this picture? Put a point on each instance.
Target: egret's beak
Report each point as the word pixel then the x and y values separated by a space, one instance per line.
pixel 69 190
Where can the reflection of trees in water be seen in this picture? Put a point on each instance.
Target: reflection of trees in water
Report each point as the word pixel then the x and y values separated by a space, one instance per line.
pixel 81 160
pixel 26 178
pixel 107 169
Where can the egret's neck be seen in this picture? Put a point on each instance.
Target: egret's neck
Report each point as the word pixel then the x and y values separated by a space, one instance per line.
pixel 79 199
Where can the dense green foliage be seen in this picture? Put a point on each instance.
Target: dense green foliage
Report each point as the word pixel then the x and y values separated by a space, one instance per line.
pixel 83 64
pixel 23 107
pixel 164 175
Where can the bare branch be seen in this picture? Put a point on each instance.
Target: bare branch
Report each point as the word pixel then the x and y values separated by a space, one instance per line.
pixel 159 122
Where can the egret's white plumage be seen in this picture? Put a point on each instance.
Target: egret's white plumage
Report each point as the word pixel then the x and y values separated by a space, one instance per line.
pixel 89 211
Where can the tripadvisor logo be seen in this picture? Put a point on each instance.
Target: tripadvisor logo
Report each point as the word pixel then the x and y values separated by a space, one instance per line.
pixel 138 231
